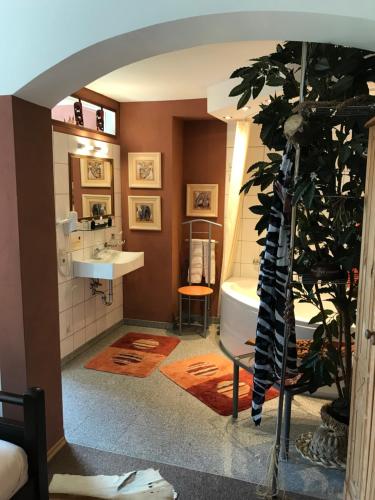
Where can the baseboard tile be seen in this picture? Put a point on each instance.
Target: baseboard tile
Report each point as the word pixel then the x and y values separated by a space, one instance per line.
pixel 56 448
pixel 165 325
pixel 88 344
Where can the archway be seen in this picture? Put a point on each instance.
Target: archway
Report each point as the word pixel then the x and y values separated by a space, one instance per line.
pixel 59 73
pixel 62 73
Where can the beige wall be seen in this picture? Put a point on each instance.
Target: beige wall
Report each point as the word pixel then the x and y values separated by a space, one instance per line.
pixel 246 258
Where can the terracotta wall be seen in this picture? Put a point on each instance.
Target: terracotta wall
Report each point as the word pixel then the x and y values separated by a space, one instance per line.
pixel 204 163
pixel 150 293
pixel 29 333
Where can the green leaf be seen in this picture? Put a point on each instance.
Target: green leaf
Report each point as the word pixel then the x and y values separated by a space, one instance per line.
pixel 266 199
pixel 239 89
pixel 262 223
pixel 299 191
pixel 275 81
pixel 247 186
pixel 344 154
pixel 275 157
pixel 258 209
pixel 243 72
pixel 308 195
pixel 262 242
pixel 320 316
pixel 258 86
pixel 244 99
pixel 259 165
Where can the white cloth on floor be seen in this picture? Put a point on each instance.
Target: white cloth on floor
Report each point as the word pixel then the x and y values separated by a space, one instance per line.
pixel 196 263
pixel 206 259
pixel 146 485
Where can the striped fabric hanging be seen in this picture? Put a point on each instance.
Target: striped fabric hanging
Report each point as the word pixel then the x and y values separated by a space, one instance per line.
pixel 272 285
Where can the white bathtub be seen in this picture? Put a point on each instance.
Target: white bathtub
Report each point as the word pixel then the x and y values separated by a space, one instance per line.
pixel 239 311
pixel 238 318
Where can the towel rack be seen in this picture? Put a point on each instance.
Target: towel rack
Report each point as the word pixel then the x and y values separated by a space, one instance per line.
pixel 198 293
pixel 210 241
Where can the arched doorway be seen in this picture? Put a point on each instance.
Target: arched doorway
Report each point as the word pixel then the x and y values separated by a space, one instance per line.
pixel 59 77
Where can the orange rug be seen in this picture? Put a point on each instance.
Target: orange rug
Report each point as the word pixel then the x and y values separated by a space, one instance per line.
pixel 210 379
pixel 134 354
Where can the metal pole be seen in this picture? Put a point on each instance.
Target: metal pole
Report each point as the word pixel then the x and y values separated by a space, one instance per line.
pixel 209 265
pixel 190 248
pixel 209 256
pixel 289 297
pixel 180 323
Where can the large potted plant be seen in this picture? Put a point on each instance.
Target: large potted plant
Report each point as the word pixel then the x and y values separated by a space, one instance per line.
pixel 328 194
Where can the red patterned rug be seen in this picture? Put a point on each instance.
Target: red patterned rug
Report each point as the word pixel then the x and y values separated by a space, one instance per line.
pixel 210 379
pixel 134 354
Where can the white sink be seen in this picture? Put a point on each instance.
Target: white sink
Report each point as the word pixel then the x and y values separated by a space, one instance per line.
pixel 110 264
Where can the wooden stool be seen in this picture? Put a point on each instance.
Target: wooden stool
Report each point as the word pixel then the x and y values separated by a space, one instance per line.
pixel 198 293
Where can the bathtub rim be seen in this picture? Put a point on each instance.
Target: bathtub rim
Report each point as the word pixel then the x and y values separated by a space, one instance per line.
pixel 254 303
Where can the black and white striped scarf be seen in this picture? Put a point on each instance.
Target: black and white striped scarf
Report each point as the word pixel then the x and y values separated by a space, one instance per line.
pixel 272 291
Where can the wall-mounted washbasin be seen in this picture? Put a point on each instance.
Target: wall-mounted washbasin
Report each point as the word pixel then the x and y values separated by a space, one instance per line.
pixel 109 264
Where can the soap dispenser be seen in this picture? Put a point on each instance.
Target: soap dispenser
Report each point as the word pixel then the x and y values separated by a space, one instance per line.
pixel 93 224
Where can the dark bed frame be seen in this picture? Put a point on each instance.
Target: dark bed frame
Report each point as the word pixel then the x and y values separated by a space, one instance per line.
pixel 31 436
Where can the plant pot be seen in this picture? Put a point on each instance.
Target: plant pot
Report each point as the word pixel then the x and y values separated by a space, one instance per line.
pixel 328 444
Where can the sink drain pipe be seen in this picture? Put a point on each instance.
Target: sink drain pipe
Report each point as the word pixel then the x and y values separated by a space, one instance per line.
pixel 107 297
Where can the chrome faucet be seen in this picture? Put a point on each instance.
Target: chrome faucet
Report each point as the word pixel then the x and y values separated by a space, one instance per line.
pixel 113 242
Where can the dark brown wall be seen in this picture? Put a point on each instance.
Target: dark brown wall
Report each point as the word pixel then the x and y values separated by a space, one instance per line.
pixel 29 335
pixel 12 349
pixel 150 293
pixel 177 205
pixel 204 163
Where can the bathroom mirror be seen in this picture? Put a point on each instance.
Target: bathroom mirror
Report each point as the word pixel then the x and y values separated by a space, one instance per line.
pixel 91 186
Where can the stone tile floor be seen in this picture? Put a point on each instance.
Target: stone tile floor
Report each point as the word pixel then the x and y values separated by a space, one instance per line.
pixel 152 418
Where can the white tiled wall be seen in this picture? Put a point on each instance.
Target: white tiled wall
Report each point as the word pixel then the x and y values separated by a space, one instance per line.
pixel 247 250
pixel 82 316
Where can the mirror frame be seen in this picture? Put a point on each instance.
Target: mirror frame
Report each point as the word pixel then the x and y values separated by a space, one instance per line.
pixel 71 186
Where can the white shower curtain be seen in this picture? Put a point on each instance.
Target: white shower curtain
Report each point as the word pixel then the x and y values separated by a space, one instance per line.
pixel 231 225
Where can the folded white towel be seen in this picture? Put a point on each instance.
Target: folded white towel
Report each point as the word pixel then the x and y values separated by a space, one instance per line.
pixel 205 260
pixel 146 485
pixel 196 263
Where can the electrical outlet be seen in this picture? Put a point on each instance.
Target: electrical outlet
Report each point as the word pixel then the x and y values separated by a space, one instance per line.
pixel 63 257
pixel 75 241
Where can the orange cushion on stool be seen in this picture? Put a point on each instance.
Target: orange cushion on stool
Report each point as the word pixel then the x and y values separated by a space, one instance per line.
pixel 199 291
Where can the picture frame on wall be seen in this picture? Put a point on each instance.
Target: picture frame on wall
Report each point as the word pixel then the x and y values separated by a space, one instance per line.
pixel 96 172
pixel 144 213
pixel 202 200
pixel 96 205
pixel 144 170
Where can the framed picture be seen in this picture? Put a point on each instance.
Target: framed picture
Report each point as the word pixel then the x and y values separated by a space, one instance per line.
pixel 96 172
pixel 96 205
pixel 144 170
pixel 202 200
pixel 144 213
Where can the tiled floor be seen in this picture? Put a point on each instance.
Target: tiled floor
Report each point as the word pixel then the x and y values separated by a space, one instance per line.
pixel 152 418
pixel 190 485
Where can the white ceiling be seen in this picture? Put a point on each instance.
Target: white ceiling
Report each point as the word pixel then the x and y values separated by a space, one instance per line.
pixel 184 74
